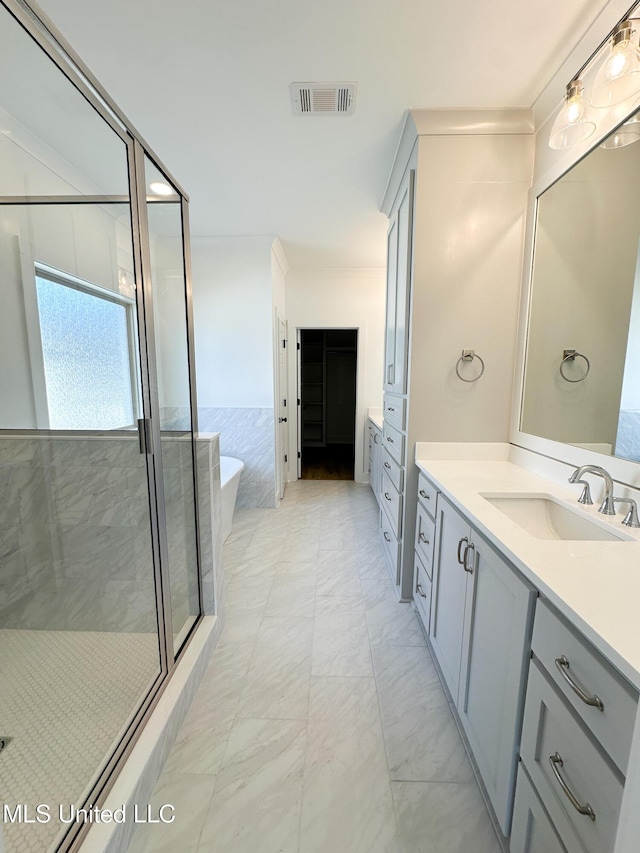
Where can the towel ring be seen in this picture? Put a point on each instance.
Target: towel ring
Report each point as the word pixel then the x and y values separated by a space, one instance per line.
pixel 571 355
pixel 469 355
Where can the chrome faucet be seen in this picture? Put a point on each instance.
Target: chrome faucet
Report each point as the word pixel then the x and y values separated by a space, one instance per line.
pixel 607 507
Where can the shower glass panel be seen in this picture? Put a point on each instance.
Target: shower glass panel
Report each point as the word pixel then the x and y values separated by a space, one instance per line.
pixel 169 287
pixel 80 650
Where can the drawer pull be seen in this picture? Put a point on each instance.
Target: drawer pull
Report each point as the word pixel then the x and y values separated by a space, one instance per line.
pixel 424 494
pixel 390 409
pixel 386 536
pixel 386 465
pixel 461 558
pixel 423 538
pixel 470 547
pixel 390 440
pixel 387 496
pixel 562 664
pixel 419 590
pixel 554 761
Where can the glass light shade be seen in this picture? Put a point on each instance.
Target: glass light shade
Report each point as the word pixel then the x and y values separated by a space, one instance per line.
pixel 618 78
pixel 574 123
pixel 626 134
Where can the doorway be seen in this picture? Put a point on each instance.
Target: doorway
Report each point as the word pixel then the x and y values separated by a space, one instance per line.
pixel 327 362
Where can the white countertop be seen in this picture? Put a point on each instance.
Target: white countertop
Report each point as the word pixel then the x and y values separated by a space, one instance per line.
pixel 375 416
pixel 596 585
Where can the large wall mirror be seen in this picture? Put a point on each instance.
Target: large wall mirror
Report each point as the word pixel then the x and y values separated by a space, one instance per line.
pixel 582 368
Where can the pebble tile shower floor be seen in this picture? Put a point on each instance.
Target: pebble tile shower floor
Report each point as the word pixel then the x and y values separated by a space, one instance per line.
pixel 65 697
pixel 320 725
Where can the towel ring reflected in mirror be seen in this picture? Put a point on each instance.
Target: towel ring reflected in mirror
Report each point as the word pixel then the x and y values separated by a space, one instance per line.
pixel 469 355
pixel 571 355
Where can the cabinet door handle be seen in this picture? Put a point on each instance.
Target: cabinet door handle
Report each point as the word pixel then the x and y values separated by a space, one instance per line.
pixel 562 663
pixel 423 538
pixel 387 496
pixel 375 438
pixel 390 409
pixel 460 558
pixel 386 536
pixel 419 590
pixel 386 465
pixel 470 547
pixel 424 494
pixel 554 761
pixel 389 439
pixel 389 374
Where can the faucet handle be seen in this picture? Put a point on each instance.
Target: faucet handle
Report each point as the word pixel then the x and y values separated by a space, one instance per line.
pixel 585 497
pixel 631 518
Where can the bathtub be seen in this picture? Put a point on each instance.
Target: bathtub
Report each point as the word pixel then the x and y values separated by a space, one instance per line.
pixel 230 470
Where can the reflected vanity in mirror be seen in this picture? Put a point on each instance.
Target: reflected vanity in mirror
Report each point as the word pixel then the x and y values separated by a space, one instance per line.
pixel 582 368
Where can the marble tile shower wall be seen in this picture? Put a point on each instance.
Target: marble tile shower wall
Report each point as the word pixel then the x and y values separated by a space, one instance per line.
pixel 247 434
pixel 74 532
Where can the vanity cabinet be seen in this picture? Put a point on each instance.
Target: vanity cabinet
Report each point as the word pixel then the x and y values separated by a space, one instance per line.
pixel 480 633
pixel 455 199
pixel 375 444
pixel 425 540
pixel 576 737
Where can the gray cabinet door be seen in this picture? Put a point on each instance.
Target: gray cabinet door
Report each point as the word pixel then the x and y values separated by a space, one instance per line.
pixel 448 593
pixel 392 282
pixel 533 831
pixel 495 651
pixel 399 240
pixel 403 286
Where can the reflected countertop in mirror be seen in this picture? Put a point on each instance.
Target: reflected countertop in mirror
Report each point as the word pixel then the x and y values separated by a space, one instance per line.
pixel 585 298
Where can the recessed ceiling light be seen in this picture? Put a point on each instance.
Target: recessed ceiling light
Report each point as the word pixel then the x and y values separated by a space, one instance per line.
pixel 160 188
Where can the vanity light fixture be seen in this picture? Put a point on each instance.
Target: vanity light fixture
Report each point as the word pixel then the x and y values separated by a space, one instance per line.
pixel 617 79
pixel 574 123
pixel 626 134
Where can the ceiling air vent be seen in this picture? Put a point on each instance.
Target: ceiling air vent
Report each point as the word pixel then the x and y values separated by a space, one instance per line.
pixel 323 99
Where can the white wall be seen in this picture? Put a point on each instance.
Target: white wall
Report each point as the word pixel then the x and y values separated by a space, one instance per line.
pixel 347 299
pixel 232 306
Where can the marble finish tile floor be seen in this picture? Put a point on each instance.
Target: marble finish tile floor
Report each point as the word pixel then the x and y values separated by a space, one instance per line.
pixel 320 725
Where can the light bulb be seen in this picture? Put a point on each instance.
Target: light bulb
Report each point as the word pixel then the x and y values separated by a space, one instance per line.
pixel 574 122
pixel 573 111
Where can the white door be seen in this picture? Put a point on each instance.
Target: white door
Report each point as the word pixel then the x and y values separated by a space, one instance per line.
pixel 283 406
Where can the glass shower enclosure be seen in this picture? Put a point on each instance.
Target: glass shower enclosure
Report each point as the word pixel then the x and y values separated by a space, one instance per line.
pixel 99 554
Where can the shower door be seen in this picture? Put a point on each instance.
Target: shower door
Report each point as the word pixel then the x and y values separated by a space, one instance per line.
pixel 168 275
pixel 99 578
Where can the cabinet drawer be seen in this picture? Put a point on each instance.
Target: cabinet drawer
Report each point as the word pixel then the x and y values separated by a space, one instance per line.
pixel 393 470
pixel 551 730
pixel 566 654
pixel 392 502
pixel 427 494
pixel 425 535
pixel 390 546
pixel 532 831
pixel 393 440
pixel 394 411
pixel 422 591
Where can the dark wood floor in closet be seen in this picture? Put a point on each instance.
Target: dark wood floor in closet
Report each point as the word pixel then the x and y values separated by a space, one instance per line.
pixel 333 462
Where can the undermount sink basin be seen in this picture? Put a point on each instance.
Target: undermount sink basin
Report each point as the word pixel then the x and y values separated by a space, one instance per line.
pixel 544 517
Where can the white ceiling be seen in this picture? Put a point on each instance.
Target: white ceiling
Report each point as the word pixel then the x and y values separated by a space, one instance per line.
pixel 206 83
